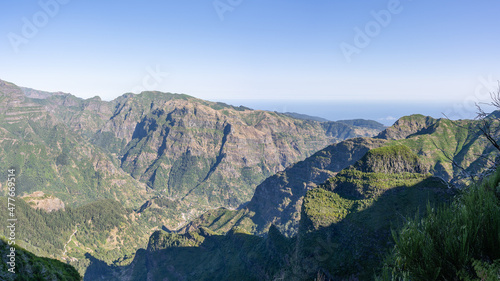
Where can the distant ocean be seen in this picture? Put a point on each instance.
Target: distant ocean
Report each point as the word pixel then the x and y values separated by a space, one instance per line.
pixel 384 112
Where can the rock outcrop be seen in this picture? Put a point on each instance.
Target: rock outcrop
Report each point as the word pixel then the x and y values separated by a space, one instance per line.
pixel 39 200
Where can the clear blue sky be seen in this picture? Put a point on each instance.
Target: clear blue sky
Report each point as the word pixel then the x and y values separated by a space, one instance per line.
pixel 279 49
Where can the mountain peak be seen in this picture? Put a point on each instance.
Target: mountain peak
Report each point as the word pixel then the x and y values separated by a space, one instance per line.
pixel 406 126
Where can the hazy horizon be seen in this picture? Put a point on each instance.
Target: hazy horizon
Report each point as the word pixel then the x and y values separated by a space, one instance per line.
pixel 384 112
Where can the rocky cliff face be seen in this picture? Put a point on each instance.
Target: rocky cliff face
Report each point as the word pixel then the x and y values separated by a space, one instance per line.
pixel 190 150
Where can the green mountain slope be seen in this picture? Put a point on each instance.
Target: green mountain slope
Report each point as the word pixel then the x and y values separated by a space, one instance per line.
pixel 103 229
pixel 346 224
pixel 413 144
pixel 27 266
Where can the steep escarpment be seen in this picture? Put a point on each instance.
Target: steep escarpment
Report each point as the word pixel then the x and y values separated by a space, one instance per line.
pixel 191 151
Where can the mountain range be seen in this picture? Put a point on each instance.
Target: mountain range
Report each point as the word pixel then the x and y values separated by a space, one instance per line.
pixel 165 157
pixel 160 185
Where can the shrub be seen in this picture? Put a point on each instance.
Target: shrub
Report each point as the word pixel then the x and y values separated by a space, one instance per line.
pixel 456 242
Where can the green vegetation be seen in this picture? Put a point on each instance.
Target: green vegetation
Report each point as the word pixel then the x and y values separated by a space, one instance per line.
pixel 391 159
pixel 204 255
pixel 50 158
pixel 456 242
pixel 345 230
pixel 162 240
pixel 446 140
pixel 222 220
pixel 30 267
pixel 102 227
pixel 355 184
pixel 326 208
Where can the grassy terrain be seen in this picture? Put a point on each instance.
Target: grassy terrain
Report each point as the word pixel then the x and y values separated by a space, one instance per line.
pixel 456 242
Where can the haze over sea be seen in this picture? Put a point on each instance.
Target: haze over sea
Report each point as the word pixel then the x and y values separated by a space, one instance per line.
pixel 385 112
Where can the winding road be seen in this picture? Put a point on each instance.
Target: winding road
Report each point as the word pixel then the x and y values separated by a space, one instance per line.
pixel 70 237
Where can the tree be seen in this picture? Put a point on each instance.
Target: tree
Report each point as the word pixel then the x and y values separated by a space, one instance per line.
pixel 488 119
pixel 489 126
